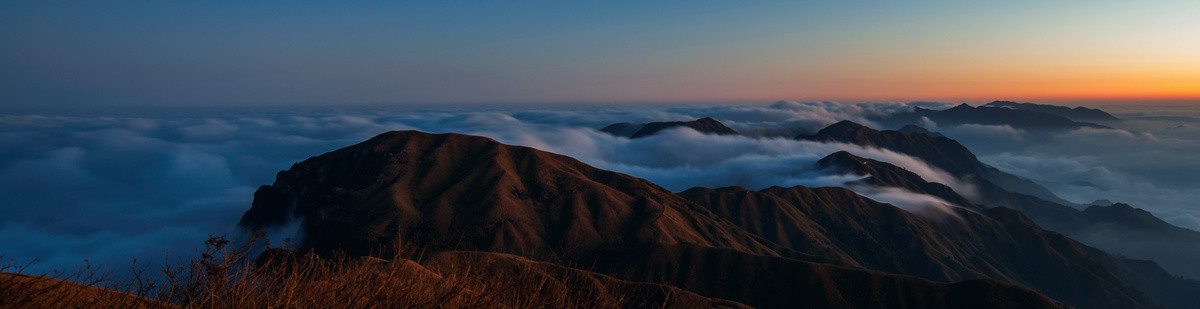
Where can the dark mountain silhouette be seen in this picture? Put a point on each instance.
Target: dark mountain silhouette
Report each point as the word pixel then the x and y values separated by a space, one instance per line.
pixel 1173 247
pixel 941 152
pixel 1127 224
pixel 625 129
pixel 1123 229
pixel 1028 120
pixel 770 282
pixel 1124 214
pixel 1079 113
pixel 841 224
pixel 912 128
pixel 703 125
pixel 450 192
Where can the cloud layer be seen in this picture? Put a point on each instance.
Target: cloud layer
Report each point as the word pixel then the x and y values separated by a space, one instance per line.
pixel 110 188
pixel 1149 162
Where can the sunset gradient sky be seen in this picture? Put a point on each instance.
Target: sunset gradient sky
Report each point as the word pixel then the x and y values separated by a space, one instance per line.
pixel 173 53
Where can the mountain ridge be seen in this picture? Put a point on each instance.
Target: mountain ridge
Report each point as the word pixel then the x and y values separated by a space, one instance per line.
pixel 408 187
pixel 970 244
pixel 508 196
pixel 939 151
pixel 1023 119
pixel 1172 246
pixel 706 125
pixel 1079 113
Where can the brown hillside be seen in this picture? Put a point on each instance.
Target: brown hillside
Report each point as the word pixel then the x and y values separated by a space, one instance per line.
pixel 459 192
pixel 965 246
pixel 773 282
pixel 29 291
pixel 450 192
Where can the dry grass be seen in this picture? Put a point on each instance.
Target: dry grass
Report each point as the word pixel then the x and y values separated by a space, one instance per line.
pixel 227 276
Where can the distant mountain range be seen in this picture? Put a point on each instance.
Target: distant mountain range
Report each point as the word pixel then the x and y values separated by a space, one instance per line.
pixel 1122 229
pixel 779 247
pixel 1079 113
pixel 1028 119
pixel 1146 276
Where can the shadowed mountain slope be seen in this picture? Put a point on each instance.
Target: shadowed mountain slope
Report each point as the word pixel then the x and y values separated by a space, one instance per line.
pixel 704 125
pixel 962 246
pixel 911 128
pixel 1142 236
pixel 1136 233
pixel 1116 225
pixel 771 282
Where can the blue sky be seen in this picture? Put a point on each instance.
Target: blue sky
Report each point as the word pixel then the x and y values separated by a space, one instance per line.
pixel 89 54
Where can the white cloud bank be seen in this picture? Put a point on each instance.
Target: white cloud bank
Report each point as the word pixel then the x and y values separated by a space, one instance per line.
pixel 109 188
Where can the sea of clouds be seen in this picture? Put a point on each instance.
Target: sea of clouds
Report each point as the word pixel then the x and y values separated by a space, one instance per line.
pixel 1148 160
pixel 111 187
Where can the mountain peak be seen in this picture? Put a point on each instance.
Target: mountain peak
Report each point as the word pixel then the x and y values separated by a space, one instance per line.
pixel 843 154
pixel 843 127
pixel 846 124
pixel 706 125
pixel 425 188
pixel 961 107
pixel 840 158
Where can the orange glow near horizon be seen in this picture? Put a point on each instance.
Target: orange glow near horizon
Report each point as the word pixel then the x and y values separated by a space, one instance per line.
pixel 524 53
pixel 932 78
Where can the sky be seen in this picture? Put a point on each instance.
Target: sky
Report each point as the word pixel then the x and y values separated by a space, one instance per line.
pixel 202 102
pixel 87 54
